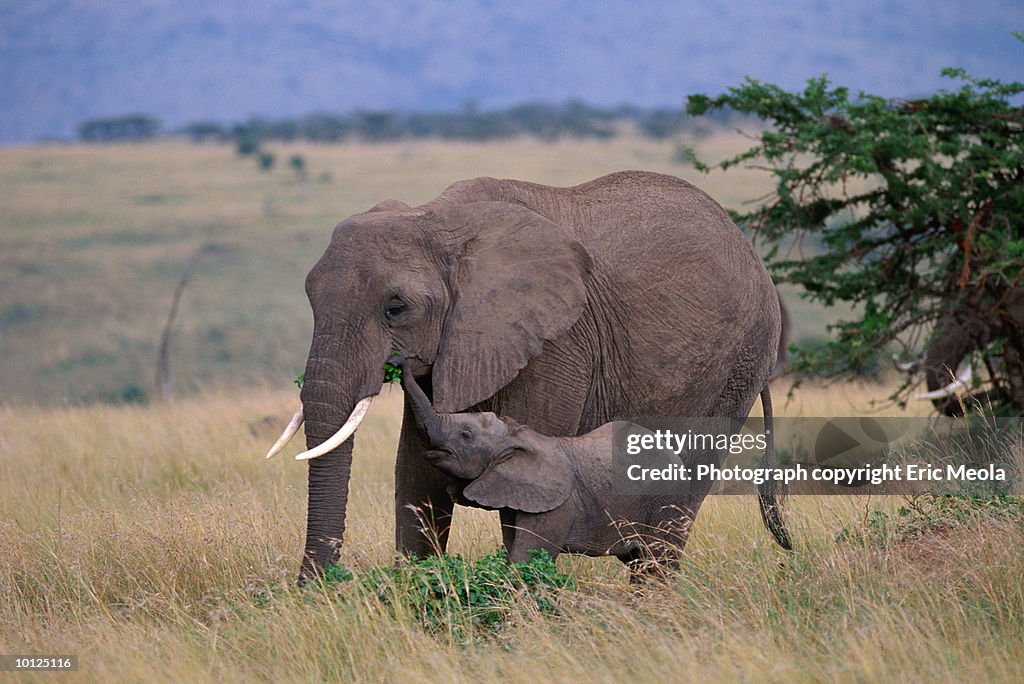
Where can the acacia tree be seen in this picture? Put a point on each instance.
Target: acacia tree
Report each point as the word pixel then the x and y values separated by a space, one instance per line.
pixel 911 210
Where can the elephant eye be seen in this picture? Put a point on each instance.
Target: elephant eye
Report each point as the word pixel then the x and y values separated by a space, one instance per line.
pixel 466 434
pixel 394 308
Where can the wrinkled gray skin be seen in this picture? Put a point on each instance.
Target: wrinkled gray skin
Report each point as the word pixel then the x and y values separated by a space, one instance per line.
pixel 972 326
pixel 633 294
pixel 557 493
pixel 782 359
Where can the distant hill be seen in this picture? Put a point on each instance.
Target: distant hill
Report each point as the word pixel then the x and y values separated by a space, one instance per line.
pixel 63 61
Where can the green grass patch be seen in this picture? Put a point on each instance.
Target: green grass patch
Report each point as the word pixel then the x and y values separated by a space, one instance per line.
pixel 448 595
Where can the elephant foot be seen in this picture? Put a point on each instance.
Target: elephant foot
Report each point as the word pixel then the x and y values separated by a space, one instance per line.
pixel 650 564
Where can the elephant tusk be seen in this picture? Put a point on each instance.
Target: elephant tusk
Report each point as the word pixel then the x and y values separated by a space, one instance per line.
pixel 287 435
pixel 343 433
pixel 959 384
pixel 905 366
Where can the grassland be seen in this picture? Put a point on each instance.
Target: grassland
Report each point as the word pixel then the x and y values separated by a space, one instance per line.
pixel 155 542
pixel 93 241
pixel 158 545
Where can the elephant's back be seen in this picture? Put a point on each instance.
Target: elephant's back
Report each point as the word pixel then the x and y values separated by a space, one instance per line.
pixel 644 214
pixel 692 300
pixel 651 232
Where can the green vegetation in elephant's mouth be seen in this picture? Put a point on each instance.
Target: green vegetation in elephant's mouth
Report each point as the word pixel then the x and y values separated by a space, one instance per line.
pixel 392 374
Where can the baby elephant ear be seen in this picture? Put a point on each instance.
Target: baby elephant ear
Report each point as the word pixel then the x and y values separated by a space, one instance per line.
pixel 525 479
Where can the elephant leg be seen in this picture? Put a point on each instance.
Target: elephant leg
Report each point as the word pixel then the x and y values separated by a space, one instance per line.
pixel 645 565
pixel 643 569
pixel 538 531
pixel 661 542
pixel 423 506
pixel 508 528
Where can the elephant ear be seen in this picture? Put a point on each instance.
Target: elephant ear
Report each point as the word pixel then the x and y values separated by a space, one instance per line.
pixel 525 479
pixel 517 281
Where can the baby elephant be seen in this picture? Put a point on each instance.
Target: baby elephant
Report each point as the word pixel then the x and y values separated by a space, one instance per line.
pixel 559 490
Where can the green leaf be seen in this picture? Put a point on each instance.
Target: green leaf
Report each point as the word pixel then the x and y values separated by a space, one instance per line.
pixel 392 373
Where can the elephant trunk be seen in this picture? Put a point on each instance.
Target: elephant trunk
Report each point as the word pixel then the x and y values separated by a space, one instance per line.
pixel 328 400
pixel 327 478
pixel 328 503
pixel 427 418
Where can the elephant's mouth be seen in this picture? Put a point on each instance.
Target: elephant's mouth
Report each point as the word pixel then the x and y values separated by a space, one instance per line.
pixel 347 429
pixel 437 456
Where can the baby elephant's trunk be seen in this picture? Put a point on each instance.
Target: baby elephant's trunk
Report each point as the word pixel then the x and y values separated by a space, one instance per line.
pixel 426 416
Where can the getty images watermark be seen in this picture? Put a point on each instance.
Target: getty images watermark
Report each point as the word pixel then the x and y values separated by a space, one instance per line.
pixel 820 455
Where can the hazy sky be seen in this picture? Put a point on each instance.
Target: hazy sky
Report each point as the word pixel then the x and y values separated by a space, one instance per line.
pixel 62 61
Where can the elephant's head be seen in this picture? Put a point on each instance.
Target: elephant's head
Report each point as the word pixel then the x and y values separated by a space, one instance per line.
pixel 468 293
pixel 510 466
pixel 971 326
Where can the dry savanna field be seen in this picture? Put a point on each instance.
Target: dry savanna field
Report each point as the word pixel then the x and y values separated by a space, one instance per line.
pixel 153 540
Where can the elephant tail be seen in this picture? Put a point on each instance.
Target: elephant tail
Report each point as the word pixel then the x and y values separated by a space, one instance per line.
pixel 771 511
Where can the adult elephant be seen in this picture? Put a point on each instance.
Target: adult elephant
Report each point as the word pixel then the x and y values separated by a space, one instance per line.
pixel 631 295
pixel 978 319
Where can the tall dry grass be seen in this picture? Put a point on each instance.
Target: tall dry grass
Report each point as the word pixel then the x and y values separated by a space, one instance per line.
pixel 158 545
